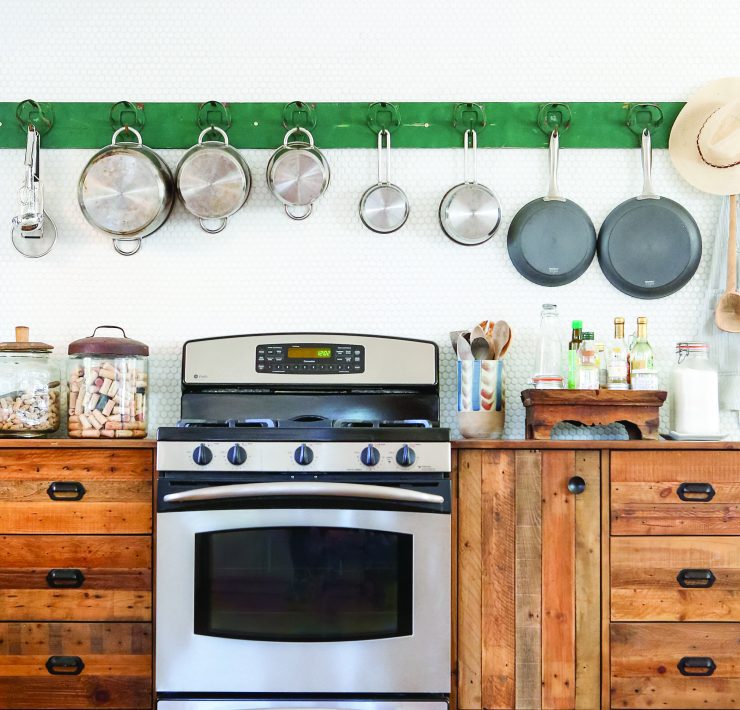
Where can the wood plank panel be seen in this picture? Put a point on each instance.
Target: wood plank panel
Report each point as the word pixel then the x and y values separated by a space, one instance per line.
pixel 645 588
pixel 662 465
pixel 528 580
pixel 587 582
pixel 605 584
pixel 558 582
pixel 469 610
pixel 454 478
pixel 497 585
pixel 76 464
pixel 75 605
pixel 117 669
pixel 674 518
pixel 645 665
pixel 665 492
pixel 75 518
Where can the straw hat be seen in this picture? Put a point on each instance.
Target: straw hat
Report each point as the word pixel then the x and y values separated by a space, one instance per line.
pixel 705 139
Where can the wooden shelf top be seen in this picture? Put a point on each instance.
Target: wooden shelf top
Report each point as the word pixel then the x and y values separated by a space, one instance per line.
pixel 635 444
pixel 41 443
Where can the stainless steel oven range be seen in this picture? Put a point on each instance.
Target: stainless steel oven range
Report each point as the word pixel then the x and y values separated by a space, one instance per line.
pixel 303 527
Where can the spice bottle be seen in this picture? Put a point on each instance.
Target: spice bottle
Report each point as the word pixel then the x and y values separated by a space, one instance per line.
pixel 588 369
pixel 575 341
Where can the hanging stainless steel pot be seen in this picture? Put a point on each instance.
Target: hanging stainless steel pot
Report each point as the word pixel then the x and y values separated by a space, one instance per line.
pixel 470 213
pixel 384 207
pixel 298 174
pixel 213 181
pixel 127 191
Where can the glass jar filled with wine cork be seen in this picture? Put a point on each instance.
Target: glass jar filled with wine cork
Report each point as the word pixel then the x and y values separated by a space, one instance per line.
pixel 108 384
pixel 29 387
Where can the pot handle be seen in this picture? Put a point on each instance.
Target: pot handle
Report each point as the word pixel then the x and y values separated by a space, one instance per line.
pixel 552 188
pixel 213 129
pixel 127 129
pixel 124 252
pixel 646 150
pixel 470 142
pixel 220 224
pixel 299 129
pixel 298 217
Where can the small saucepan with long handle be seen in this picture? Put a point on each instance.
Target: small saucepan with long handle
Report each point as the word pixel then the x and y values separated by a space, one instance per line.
pixel 551 240
pixel 470 213
pixel 649 246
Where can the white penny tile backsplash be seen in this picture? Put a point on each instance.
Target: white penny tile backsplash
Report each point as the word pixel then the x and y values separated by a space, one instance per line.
pixel 329 273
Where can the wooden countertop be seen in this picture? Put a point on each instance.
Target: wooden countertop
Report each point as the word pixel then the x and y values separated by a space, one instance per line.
pixel 41 443
pixel 632 444
pixel 635 444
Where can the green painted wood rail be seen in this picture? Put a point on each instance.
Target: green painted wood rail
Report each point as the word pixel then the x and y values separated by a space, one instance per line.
pixel 344 125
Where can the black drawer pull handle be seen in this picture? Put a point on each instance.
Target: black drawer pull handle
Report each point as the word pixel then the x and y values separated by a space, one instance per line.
pixel 65 578
pixel 66 490
pixel 576 485
pixel 695 492
pixel 696 578
pixel 64 665
pixel 696 665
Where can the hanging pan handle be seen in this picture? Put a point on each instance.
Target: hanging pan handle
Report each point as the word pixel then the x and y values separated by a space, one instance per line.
pixel 552 188
pixel 127 252
pixel 384 133
pixel 646 149
pixel 470 144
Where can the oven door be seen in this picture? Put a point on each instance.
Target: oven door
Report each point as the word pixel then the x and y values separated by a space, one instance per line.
pixel 306 593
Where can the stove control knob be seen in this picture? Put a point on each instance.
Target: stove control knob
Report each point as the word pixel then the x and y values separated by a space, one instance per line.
pixel 236 455
pixel 370 455
pixel 202 455
pixel 303 455
pixel 405 456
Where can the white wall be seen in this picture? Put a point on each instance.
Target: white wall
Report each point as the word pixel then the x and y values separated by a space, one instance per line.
pixel 329 273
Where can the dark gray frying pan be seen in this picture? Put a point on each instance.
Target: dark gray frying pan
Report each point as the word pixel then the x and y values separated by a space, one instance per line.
pixel 551 240
pixel 649 246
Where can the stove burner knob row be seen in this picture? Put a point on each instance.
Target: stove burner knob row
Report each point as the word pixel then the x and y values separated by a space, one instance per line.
pixel 303 455
pixel 236 455
pixel 405 456
pixel 370 456
pixel 202 455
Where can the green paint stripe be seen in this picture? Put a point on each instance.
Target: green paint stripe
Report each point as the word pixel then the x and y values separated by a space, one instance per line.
pixel 344 125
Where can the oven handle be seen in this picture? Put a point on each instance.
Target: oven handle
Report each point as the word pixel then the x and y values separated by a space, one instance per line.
pixel 303 488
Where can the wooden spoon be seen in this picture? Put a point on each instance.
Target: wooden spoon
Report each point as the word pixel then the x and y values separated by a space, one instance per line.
pixel 727 314
pixel 501 335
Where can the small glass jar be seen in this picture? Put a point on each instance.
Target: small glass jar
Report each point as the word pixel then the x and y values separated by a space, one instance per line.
pixel 694 392
pixel 30 389
pixel 108 384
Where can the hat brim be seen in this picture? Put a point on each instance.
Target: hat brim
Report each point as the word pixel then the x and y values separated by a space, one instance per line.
pixel 682 142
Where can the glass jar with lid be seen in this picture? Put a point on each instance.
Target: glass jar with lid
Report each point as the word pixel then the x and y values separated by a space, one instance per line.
pixel 30 389
pixel 694 392
pixel 108 384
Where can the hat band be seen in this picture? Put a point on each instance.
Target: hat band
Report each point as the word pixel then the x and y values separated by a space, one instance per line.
pixel 701 155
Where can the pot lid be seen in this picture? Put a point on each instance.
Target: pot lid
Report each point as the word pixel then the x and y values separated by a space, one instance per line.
pixel 23 345
pixel 108 345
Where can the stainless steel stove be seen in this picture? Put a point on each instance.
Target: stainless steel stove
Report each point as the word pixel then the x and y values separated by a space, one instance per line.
pixel 303 526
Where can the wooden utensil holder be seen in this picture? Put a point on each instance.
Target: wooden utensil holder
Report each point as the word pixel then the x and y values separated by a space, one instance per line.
pixel 637 410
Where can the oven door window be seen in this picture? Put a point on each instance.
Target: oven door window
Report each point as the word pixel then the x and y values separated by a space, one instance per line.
pixel 303 584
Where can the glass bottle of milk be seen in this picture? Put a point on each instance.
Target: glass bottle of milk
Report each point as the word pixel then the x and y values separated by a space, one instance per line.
pixel 694 392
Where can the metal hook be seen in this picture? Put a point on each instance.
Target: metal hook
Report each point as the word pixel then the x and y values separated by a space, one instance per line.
pixel 298 114
pixel 382 116
pixel 554 117
pixel 39 115
pixel 214 114
pixel 125 113
pixel 468 117
pixel 642 117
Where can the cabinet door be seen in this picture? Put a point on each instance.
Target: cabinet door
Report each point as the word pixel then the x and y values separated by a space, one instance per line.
pixel 528 579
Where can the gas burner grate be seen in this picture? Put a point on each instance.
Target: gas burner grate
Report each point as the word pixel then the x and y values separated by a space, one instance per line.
pixel 227 423
pixel 382 424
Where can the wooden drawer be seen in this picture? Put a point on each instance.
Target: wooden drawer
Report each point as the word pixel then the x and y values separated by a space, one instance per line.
pixel 645 660
pixel 94 578
pixel 647 489
pixel 645 574
pixel 115 488
pixel 117 669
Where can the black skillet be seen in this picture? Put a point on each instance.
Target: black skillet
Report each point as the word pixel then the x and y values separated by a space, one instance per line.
pixel 649 246
pixel 551 240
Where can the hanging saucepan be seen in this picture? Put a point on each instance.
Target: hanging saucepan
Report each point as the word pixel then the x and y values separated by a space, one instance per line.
pixel 551 240
pixel 384 207
pixel 127 191
pixel 649 246
pixel 470 213
pixel 213 181
pixel 298 174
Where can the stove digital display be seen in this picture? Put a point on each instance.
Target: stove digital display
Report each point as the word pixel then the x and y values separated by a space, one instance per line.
pixel 309 353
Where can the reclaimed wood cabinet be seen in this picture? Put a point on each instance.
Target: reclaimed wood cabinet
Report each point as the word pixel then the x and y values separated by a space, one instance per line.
pixel 596 575
pixel 75 575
